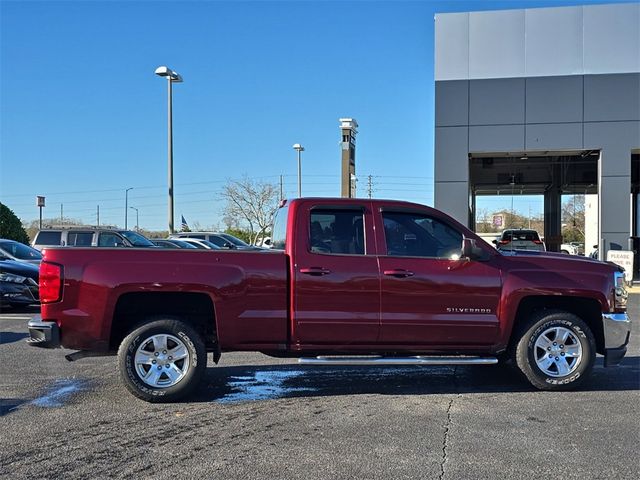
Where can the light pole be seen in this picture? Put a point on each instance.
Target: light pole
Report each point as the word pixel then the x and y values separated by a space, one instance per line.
pixel 299 148
pixel 126 203
pixel 172 77
pixel 137 219
pixel 40 204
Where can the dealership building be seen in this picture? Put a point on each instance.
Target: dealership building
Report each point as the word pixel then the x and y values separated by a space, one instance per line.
pixel 542 101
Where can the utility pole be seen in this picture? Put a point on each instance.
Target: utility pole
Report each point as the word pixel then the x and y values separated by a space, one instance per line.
pixel 281 191
pixel 98 215
pixel 369 185
pixel 61 214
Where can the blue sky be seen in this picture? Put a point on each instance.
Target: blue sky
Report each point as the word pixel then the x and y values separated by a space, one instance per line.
pixel 83 117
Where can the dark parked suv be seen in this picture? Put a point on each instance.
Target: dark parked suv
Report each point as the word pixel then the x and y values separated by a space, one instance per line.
pixel 520 239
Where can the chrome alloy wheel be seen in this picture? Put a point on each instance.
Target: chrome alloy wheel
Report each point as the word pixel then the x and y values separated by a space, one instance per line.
pixel 558 352
pixel 161 361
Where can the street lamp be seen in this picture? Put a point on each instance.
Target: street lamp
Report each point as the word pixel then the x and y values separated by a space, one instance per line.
pixel 40 204
pixel 299 148
pixel 126 203
pixel 172 77
pixel 137 218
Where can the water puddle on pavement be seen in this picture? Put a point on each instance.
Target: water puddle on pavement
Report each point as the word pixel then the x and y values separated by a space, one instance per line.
pixel 59 393
pixel 263 385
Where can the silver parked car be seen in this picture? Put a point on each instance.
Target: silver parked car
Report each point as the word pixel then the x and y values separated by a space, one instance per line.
pixel 89 237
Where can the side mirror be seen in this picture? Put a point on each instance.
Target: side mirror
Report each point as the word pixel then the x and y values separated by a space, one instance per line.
pixel 470 250
pixel 267 242
pixel 494 241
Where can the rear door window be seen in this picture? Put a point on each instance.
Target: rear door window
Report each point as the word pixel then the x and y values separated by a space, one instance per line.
pixel 48 238
pixel 79 239
pixel 337 231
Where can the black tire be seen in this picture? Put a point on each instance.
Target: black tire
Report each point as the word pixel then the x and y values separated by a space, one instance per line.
pixel 531 359
pixel 181 339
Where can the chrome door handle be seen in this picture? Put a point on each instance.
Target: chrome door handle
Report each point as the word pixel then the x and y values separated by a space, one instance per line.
pixel 315 271
pixel 399 273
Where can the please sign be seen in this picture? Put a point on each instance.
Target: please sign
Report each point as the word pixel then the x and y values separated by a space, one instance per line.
pixel 624 258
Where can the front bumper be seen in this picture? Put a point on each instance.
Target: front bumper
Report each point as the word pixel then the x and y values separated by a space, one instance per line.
pixel 617 329
pixel 18 294
pixel 43 334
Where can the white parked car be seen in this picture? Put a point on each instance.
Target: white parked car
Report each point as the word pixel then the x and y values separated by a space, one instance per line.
pixel 519 239
pixel 568 249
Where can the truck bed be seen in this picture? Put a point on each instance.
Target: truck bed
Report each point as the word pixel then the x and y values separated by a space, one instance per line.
pixel 248 289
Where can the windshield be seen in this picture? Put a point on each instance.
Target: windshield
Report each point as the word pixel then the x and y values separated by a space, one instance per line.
pixel 136 239
pixel 19 250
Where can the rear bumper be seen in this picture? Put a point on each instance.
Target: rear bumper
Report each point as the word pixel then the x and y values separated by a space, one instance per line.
pixel 43 334
pixel 617 329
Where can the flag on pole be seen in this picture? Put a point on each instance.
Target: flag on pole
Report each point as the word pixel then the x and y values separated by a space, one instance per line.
pixel 185 226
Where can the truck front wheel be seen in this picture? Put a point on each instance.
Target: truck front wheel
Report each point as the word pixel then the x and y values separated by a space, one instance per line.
pixel 162 361
pixel 556 350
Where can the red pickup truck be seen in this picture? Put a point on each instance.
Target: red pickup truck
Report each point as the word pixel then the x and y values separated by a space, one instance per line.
pixel 348 281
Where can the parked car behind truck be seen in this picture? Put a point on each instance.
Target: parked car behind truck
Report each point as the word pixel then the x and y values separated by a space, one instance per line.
pixel 89 237
pixel 19 252
pixel 18 282
pixel 348 281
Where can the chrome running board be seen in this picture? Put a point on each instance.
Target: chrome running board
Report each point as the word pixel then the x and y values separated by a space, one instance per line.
pixel 379 360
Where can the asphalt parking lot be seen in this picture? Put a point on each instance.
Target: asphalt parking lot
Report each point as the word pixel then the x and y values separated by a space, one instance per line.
pixel 259 417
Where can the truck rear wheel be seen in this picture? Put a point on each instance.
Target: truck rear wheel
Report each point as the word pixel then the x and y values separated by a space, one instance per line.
pixel 162 360
pixel 556 350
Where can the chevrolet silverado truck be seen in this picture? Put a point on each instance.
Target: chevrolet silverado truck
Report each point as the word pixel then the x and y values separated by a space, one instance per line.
pixel 349 282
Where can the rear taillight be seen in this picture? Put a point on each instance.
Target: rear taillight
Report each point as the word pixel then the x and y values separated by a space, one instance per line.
pixel 504 242
pixel 50 282
pixel 538 242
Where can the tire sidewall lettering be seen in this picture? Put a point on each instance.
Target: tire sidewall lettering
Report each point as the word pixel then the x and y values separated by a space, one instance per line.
pixel 524 351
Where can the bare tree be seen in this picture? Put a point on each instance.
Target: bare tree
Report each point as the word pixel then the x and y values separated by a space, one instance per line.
pixel 573 219
pixel 250 203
